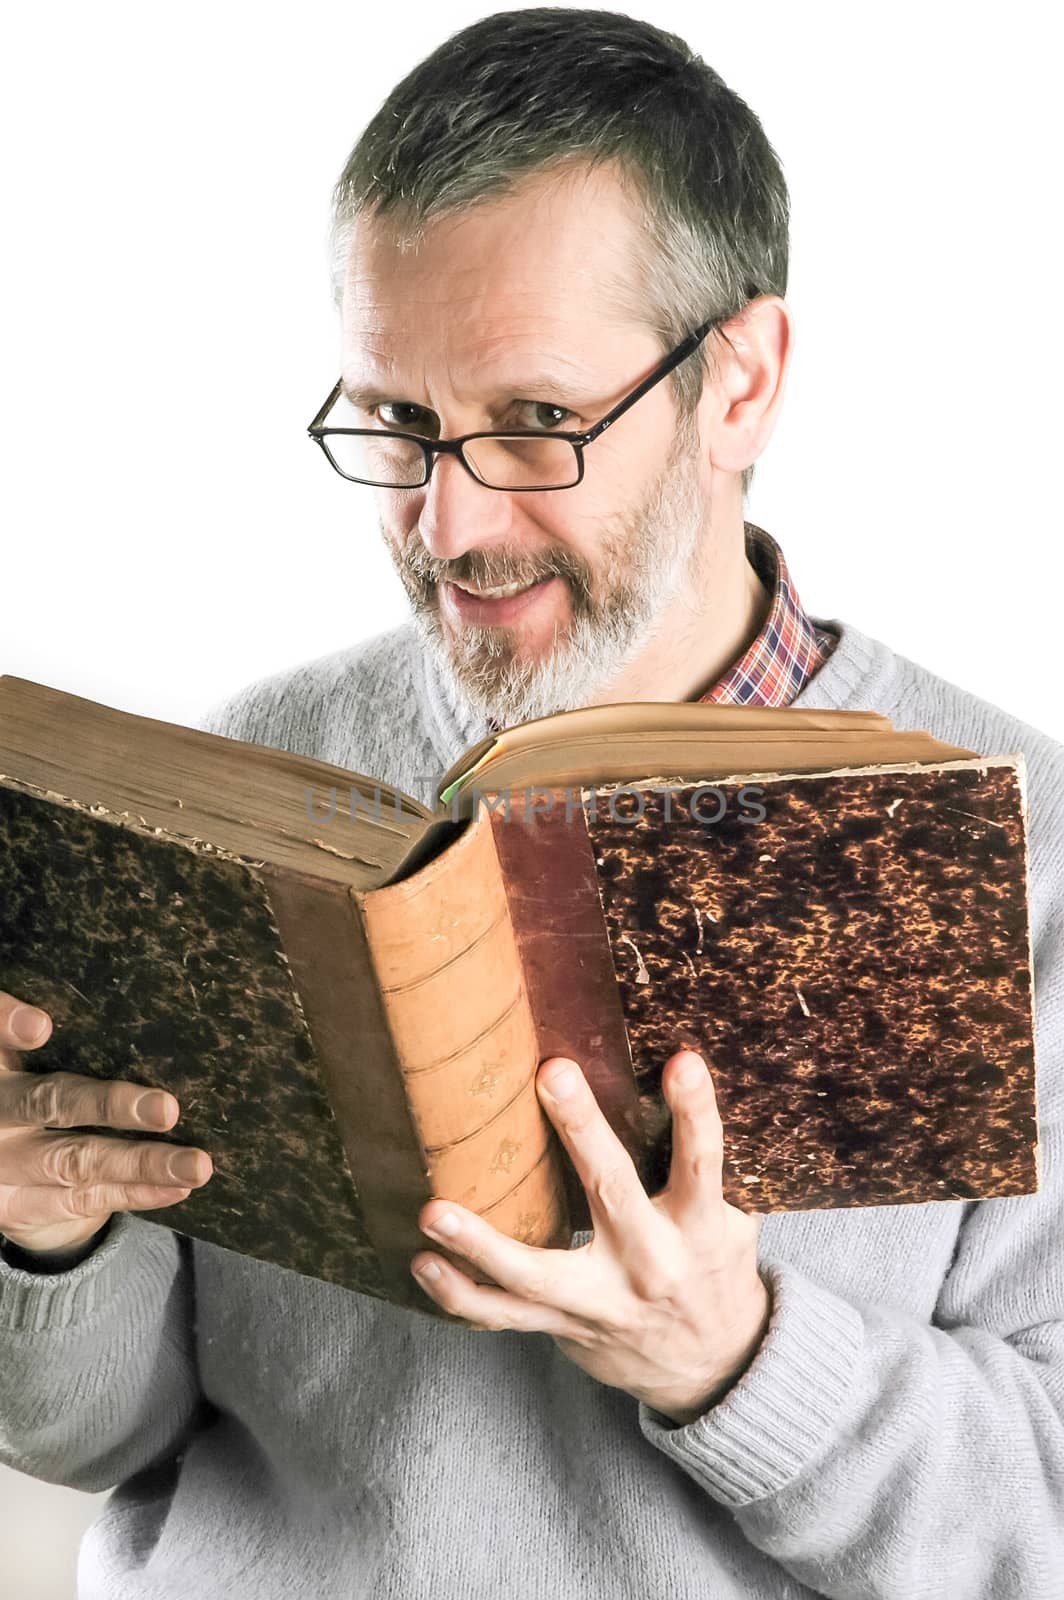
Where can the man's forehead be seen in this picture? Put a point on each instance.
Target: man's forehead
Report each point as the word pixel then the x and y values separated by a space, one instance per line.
pixel 508 300
pixel 550 253
pixel 495 357
pixel 494 346
pixel 534 372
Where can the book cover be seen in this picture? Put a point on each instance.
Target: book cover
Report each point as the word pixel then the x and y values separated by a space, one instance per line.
pixel 848 949
pixel 849 952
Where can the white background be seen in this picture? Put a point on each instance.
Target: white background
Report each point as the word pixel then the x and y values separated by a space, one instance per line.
pixel 169 532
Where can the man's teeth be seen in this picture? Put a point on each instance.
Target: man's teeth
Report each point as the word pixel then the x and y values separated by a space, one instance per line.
pixel 504 592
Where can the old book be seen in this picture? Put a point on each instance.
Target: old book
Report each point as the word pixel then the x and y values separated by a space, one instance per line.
pixel 349 992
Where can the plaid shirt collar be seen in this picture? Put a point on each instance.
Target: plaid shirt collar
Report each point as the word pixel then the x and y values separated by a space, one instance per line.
pixel 789 647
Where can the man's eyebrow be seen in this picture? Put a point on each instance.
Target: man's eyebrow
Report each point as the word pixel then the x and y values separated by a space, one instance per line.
pixel 364 398
pixel 530 386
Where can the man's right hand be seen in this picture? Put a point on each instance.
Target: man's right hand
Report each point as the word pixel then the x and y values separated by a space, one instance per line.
pixel 58 1189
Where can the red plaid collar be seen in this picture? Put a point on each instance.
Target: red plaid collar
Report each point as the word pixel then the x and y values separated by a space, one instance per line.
pixel 788 649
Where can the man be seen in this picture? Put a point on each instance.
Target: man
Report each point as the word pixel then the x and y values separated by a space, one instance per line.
pixel 692 1401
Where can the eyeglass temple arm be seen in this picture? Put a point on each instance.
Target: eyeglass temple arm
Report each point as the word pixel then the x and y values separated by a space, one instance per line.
pixel 326 408
pixel 682 351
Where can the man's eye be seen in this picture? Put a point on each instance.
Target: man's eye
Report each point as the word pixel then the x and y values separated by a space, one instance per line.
pixel 537 415
pixel 399 414
pixel 543 415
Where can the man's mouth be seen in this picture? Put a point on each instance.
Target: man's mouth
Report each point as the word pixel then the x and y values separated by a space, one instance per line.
pixel 497 605
pixel 501 593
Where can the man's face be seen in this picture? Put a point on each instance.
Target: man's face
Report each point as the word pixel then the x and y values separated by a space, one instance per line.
pixel 511 316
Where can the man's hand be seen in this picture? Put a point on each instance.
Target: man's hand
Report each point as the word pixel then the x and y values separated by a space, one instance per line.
pixel 665 1301
pixel 58 1188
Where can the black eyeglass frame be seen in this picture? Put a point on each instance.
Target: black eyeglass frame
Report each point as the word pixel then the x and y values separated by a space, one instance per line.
pixel 431 448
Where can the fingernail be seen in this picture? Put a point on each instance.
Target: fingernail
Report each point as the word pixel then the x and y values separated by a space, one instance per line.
pixel 152 1107
pixel 448 1225
pixel 563 1084
pixel 27 1023
pixel 429 1270
pixel 185 1166
pixel 690 1073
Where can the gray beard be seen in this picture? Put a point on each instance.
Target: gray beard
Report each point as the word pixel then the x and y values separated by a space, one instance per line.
pixel 647 558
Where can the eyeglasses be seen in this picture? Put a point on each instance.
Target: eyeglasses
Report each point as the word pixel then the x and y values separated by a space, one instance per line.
pixel 520 462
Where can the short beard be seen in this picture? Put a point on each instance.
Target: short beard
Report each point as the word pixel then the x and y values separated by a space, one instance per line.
pixel 646 558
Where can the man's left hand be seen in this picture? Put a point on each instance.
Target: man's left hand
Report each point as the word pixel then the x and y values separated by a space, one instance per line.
pixel 665 1300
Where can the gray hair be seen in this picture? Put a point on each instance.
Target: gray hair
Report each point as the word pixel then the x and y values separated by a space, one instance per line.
pixel 526 91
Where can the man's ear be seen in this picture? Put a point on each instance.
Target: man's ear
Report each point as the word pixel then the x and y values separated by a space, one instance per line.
pixel 739 408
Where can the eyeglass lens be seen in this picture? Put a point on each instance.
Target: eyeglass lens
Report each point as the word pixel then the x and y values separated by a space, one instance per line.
pixel 391 461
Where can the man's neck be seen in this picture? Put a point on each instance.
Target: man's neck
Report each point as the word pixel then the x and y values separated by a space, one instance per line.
pixel 702 635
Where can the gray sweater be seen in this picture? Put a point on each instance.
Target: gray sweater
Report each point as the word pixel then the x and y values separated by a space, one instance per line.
pixel 899 1434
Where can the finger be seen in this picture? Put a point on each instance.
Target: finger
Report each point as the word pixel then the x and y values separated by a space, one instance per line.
pixel 22 1026
pixel 87 1160
pixel 542 1277
pixel 73 1100
pixel 38 1206
pixel 487 1308
pixel 694 1192
pixel 617 1201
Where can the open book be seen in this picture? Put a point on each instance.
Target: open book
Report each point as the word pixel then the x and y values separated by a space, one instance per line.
pixel 349 992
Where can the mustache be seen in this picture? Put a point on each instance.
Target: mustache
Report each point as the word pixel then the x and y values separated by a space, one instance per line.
pixel 486 569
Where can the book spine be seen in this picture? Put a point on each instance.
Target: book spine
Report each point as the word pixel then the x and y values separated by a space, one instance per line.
pixel 454 996
pixel 548 866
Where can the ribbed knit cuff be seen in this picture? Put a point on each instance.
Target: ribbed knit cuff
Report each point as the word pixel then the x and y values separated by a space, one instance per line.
pixel 784 1410
pixel 35 1302
pixel 61 1261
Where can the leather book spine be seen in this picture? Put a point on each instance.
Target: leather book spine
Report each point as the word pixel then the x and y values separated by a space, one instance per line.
pixel 451 998
pixel 548 864
pixel 332 971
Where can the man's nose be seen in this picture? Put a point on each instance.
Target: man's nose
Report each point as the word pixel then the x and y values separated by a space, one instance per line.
pixel 460 514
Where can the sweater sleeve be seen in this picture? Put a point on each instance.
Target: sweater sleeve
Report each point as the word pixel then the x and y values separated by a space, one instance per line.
pixel 875 1456
pixel 98 1374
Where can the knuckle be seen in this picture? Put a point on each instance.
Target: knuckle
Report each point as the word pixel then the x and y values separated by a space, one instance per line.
pixel 41 1099
pixel 105 1105
pixel 492 1322
pixel 69 1162
pixel 577 1120
pixel 661 1275
pixel 86 1202
pixel 704 1164
pixel 608 1187
pixel 656 1282
pixel 536 1289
